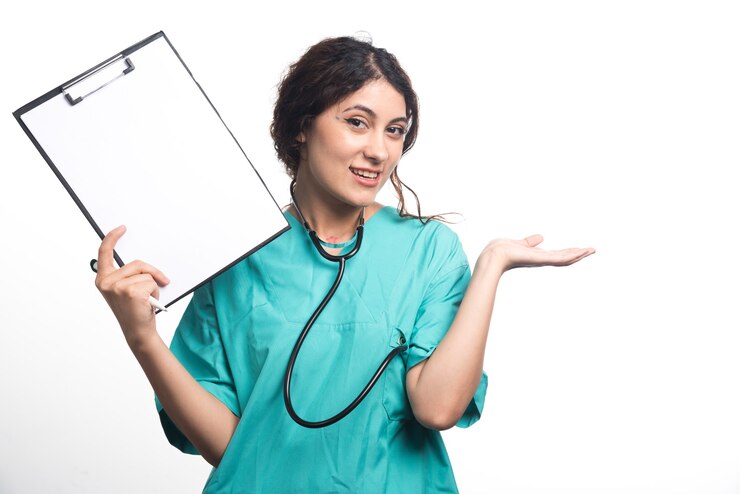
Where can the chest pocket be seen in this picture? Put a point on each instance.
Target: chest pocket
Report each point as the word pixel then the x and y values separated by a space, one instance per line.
pixel 395 399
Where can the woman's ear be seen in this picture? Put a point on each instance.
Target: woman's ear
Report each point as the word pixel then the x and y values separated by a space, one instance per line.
pixel 301 137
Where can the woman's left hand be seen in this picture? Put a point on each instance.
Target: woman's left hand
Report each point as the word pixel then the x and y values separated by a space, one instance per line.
pixel 506 254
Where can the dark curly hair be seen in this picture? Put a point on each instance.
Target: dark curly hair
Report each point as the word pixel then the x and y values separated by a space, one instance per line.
pixel 327 73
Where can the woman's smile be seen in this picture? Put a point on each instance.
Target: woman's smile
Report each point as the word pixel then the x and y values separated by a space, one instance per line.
pixel 366 177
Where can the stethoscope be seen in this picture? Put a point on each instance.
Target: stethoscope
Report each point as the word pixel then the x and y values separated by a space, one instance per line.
pixel 341 260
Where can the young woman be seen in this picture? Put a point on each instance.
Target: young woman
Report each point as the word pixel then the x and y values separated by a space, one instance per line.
pixel 345 114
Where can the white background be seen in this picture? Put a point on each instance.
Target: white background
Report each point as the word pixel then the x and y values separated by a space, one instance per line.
pixel 605 124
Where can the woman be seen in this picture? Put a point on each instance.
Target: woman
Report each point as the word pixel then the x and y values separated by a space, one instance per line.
pixel 345 114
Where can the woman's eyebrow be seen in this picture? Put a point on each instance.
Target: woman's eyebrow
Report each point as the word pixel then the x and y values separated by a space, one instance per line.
pixel 373 114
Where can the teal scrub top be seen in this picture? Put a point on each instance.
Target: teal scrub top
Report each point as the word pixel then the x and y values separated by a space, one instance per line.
pixel 236 336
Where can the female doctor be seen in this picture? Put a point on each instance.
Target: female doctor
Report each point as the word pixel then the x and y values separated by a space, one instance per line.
pixel 345 114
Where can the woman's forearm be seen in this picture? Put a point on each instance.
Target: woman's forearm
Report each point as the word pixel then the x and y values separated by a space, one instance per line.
pixel 199 415
pixel 441 387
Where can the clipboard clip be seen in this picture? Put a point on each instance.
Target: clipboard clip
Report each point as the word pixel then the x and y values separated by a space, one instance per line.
pixel 97 79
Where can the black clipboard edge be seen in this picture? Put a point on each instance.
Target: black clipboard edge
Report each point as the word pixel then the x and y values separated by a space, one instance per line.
pixel 58 90
pixel 66 186
pixel 222 121
pixel 230 265
pixel 259 246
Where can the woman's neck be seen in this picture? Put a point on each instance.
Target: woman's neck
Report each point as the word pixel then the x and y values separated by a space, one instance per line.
pixel 333 221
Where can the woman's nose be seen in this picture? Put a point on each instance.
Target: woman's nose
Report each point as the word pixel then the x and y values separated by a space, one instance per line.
pixel 376 149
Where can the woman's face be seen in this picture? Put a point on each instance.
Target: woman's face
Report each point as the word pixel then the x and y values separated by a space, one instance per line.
pixel 352 147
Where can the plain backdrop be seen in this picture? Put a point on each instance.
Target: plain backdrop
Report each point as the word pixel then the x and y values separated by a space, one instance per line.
pixel 605 124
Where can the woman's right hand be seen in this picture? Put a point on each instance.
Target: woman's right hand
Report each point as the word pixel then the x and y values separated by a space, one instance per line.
pixel 127 290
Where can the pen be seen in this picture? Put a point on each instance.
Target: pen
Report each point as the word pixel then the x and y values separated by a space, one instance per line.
pixel 152 301
pixel 156 304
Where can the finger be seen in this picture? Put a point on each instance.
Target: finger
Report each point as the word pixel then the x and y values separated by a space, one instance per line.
pixel 139 291
pixel 533 240
pixel 566 257
pixel 105 252
pixel 145 278
pixel 139 267
pixel 584 254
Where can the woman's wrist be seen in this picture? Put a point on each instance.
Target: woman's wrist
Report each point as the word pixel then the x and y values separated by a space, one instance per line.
pixel 490 262
pixel 142 342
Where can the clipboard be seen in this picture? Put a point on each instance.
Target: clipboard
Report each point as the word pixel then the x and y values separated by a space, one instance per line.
pixel 136 141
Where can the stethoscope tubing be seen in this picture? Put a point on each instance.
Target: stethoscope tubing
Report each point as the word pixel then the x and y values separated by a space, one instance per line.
pixel 294 355
pixel 341 260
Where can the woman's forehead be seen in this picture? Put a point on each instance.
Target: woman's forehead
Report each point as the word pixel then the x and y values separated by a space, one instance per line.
pixel 378 98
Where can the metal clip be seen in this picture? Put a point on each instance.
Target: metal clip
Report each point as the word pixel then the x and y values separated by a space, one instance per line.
pixel 96 79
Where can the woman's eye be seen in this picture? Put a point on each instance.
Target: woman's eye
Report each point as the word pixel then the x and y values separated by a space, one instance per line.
pixel 398 131
pixel 355 122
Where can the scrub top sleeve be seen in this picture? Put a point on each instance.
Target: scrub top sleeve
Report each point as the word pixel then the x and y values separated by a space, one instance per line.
pixel 436 313
pixel 198 346
pixel 475 407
